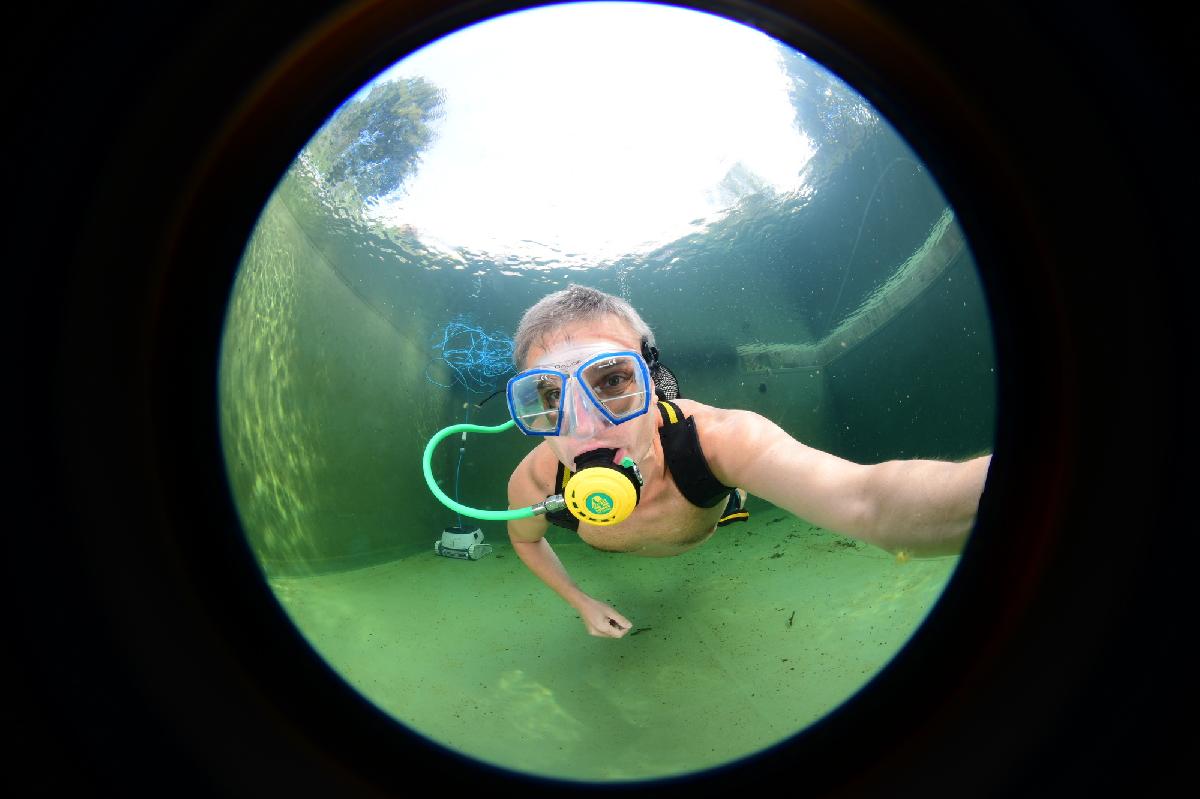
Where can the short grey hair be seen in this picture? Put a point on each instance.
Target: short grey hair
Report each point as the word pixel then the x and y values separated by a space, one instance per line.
pixel 568 306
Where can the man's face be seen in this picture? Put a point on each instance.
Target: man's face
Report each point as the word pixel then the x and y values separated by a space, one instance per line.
pixel 589 429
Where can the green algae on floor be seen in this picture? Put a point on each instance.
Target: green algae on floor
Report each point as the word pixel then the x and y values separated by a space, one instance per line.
pixel 744 642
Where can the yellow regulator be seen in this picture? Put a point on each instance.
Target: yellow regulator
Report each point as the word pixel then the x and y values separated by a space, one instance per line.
pixel 604 493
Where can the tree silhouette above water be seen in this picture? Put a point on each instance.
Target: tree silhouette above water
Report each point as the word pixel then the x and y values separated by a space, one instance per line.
pixel 373 143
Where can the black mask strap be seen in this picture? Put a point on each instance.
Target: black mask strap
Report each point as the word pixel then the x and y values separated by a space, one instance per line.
pixel 650 354
pixel 666 387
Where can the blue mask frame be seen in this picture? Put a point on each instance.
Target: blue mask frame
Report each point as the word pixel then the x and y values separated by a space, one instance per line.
pixel 577 375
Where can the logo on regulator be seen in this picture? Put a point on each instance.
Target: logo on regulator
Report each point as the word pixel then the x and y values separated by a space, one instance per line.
pixel 599 504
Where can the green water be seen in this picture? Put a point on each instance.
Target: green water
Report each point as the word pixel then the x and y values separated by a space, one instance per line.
pixel 744 642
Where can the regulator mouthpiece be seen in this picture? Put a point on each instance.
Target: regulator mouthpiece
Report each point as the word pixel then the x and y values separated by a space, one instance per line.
pixel 601 492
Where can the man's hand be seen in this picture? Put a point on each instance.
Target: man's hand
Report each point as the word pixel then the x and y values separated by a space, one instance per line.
pixel 601 620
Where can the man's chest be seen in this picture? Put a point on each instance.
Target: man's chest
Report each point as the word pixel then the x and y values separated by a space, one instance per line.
pixel 664 523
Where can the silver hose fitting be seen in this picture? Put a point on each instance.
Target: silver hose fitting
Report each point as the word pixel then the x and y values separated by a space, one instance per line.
pixel 549 505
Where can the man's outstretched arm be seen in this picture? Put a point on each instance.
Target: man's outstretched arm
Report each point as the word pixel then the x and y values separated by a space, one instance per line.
pixel 923 507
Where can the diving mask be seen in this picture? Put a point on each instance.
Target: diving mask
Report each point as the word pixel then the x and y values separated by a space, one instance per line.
pixel 596 385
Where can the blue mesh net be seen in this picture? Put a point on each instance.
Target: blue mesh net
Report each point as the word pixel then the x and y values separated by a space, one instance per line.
pixel 477 360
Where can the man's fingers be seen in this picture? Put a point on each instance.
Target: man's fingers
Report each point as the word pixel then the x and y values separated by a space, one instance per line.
pixel 618 629
pixel 608 632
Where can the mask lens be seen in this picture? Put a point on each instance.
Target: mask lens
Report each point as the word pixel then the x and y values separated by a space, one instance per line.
pixel 618 385
pixel 535 400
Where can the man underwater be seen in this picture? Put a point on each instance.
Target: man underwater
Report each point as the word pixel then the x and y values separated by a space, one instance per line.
pixel 588 385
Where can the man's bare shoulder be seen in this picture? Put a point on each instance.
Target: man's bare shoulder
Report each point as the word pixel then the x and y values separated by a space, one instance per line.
pixel 699 410
pixel 712 420
pixel 534 475
pixel 531 482
pixel 731 437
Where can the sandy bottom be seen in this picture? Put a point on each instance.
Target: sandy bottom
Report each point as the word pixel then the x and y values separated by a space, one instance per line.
pixel 739 645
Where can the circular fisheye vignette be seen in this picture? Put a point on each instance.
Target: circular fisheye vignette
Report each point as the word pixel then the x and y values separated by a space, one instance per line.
pixel 287 492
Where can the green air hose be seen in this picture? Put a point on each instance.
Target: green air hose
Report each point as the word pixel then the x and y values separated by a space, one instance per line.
pixel 599 494
pixel 457 507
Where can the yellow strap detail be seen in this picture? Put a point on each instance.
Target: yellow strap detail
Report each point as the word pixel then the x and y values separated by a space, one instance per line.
pixel 670 409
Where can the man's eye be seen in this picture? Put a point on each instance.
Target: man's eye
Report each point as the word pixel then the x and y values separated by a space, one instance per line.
pixel 611 383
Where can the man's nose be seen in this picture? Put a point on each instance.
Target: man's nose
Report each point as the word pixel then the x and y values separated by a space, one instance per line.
pixel 581 422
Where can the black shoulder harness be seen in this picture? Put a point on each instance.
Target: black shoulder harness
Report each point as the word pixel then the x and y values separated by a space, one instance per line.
pixel 685 459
